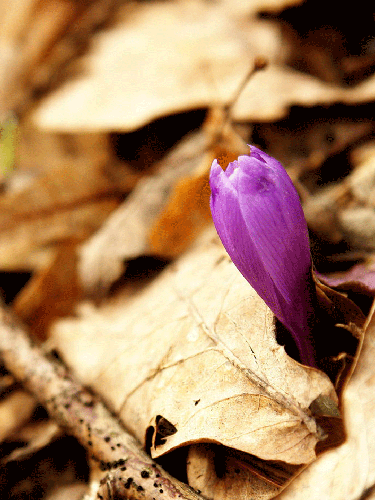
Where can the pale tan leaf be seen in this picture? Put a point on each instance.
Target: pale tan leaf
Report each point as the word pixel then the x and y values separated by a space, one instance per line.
pixel 349 470
pixel 52 292
pixel 273 91
pixel 15 411
pixel 37 39
pixel 72 491
pixel 36 435
pixel 197 348
pixel 345 210
pixel 27 243
pixel 187 210
pixel 195 55
pixel 58 192
pixel 234 481
pixel 124 235
pixel 166 210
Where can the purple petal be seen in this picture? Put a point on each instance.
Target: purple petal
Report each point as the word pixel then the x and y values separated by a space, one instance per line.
pixel 259 218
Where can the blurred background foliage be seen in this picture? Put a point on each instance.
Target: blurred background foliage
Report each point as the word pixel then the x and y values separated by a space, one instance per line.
pixel 111 113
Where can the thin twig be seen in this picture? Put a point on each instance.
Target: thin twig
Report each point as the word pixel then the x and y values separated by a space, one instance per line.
pixel 259 64
pixel 132 473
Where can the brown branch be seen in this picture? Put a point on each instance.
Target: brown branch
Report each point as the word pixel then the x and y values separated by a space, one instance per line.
pixel 132 473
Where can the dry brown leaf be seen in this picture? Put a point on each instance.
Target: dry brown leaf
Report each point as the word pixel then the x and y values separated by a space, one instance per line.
pixel 52 292
pixel 165 211
pixel 308 145
pixel 36 436
pixel 197 349
pixel 198 59
pixel 187 210
pixel 124 235
pixel 66 168
pixel 37 39
pixel 229 482
pixel 58 192
pixel 187 213
pixel 27 243
pixel 274 90
pixel 345 211
pixel 195 55
pixel 348 470
pixel 15 410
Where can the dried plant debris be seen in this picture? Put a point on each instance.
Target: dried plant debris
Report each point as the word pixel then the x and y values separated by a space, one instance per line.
pixel 59 466
pixel 125 234
pixel 190 367
pixel 49 199
pixel 184 376
pixel 193 45
pixel 32 437
pixel 186 368
pixel 15 410
pixel 52 292
pixel 38 40
pixel 333 47
pixel 348 470
pixel 222 473
pixel 165 212
pixel 86 417
pixel 196 77
pixel 344 211
pixel 304 140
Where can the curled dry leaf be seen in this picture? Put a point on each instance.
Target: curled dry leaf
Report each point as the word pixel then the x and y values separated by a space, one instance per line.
pixel 197 348
pixel 345 211
pixel 187 210
pixel 203 52
pixel 347 471
pixel 125 233
pixel 305 147
pixel 15 411
pixel 362 274
pixel 37 41
pixel 274 90
pixel 228 481
pixel 166 211
pixel 34 436
pixel 51 293
pixel 195 56
pixel 57 193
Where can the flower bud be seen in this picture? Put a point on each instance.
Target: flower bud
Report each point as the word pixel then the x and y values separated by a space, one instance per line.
pixel 258 216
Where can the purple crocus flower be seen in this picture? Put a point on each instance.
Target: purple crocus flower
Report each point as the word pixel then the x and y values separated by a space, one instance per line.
pixel 258 216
